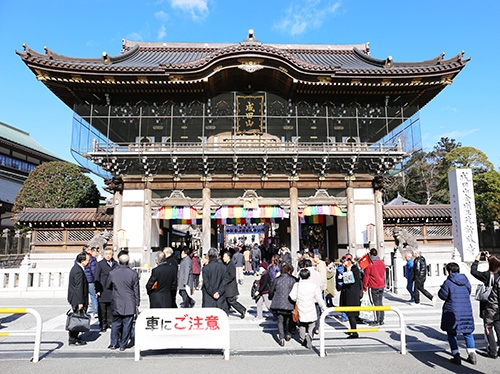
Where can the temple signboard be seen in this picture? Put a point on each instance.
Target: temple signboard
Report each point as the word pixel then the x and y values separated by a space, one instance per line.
pixel 463 210
pixel 250 114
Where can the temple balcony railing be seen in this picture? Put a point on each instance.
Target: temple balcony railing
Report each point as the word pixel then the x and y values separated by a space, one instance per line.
pixel 242 148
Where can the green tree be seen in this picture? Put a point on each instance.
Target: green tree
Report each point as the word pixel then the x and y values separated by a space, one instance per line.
pixel 468 158
pixel 57 184
pixel 487 197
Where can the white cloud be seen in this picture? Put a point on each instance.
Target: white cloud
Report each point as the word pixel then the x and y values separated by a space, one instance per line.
pixel 303 15
pixel 135 37
pixel 162 16
pixel 162 32
pixel 458 134
pixel 197 8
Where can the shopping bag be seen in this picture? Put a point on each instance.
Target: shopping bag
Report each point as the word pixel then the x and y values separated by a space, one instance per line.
pixel 295 313
pixel 368 314
pixel 77 321
pixel 364 261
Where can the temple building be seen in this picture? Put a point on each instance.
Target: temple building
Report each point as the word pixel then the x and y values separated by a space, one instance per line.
pixel 19 155
pixel 273 143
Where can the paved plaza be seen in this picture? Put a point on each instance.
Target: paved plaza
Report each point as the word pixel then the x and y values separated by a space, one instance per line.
pixel 253 344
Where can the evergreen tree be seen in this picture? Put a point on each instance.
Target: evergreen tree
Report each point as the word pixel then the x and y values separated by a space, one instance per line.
pixel 57 184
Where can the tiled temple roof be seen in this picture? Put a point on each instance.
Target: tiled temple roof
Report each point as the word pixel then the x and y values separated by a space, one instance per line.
pixel 80 216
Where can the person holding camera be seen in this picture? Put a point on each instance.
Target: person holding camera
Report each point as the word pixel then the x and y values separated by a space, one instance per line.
pixel 488 277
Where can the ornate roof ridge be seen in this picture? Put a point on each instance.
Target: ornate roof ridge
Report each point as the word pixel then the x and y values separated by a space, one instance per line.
pixel 128 44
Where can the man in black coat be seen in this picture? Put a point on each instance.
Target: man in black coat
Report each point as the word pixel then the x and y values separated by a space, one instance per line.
pixel 125 301
pixel 214 286
pixel 78 292
pixel 101 274
pixel 232 286
pixel 162 284
pixel 419 275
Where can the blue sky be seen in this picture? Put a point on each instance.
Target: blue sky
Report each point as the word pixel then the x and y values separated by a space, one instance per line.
pixel 407 30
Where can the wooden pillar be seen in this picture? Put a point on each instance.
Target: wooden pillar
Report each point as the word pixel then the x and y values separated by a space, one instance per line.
pixel 294 223
pixel 351 219
pixel 117 218
pixel 146 232
pixel 206 226
pixel 379 223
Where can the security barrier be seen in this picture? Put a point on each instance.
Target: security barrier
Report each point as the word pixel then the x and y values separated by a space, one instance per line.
pixel 37 333
pixel 346 309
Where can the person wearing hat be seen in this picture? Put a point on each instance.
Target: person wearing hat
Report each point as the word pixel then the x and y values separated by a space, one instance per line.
pixel 262 293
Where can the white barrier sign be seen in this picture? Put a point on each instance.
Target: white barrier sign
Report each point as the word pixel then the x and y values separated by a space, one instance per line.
pixel 178 328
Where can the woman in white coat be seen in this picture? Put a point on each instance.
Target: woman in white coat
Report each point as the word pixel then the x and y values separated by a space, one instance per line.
pixel 307 294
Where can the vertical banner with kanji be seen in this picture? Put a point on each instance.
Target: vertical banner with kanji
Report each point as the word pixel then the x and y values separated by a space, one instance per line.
pixel 250 115
pixel 463 211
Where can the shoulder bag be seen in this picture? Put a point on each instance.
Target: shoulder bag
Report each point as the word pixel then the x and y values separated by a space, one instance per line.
pixel 483 291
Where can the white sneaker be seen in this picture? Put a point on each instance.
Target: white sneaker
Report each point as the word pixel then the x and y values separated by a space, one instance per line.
pixel 434 300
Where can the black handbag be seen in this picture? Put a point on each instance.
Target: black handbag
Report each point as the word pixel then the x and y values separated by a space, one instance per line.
pixel 77 321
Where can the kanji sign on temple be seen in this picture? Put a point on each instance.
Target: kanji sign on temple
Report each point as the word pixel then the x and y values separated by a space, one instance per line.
pixel 287 137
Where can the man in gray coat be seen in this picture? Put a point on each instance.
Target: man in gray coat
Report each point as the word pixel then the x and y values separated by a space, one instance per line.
pixel 125 301
pixel 185 278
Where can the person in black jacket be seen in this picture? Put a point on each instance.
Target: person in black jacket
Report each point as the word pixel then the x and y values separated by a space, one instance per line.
pixel 262 293
pixel 214 278
pixel 102 270
pixel 232 286
pixel 419 275
pixel 162 284
pixel 350 295
pixel 78 292
pixel 281 304
pixel 485 276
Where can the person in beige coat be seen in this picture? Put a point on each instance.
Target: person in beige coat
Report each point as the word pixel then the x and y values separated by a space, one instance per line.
pixel 307 294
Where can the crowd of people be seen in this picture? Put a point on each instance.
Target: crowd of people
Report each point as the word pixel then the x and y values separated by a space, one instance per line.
pixel 109 290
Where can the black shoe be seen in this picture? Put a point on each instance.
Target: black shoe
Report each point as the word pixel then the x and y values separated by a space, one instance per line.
pixel 103 329
pixel 122 349
pixel 316 331
pixel 112 347
pixel 288 337
pixel 353 335
pixel 282 342
pixel 78 342
pixel 381 323
pixel 374 323
pixel 456 359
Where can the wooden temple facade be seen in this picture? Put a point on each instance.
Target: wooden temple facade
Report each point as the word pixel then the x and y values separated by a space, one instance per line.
pixel 287 137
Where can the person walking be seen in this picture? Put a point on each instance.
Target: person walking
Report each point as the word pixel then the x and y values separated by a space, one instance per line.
pixel 102 270
pixel 185 278
pixel 491 319
pixel 262 294
pixel 162 283
pixel 457 315
pixel 239 262
pixel 196 264
pixel 281 305
pixel 374 284
pixel 409 280
pixel 78 292
pixel 256 256
pixel 125 300
pixel 232 286
pixel 214 286
pixel 419 275
pixel 307 294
